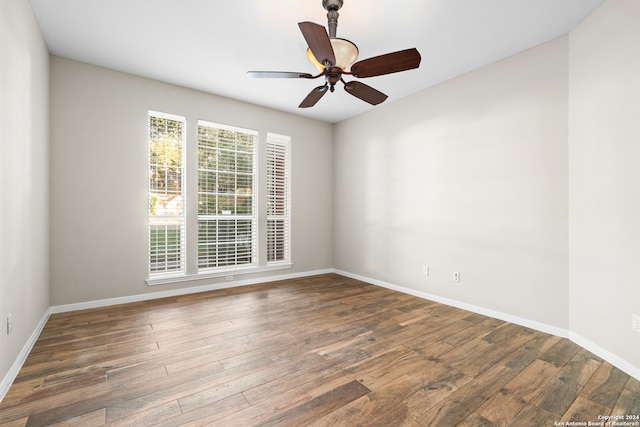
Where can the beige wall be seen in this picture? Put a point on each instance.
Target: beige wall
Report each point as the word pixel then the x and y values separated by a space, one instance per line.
pixel 604 176
pixel 24 200
pixel 468 176
pixel 99 178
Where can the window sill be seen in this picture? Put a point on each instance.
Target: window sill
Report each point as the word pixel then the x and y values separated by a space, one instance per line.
pixel 165 280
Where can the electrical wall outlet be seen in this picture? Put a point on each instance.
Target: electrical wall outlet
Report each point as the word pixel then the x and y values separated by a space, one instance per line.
pixel 456 276
pixel 636 322
pixel 425 270
pixel 228 278
pixel 9 323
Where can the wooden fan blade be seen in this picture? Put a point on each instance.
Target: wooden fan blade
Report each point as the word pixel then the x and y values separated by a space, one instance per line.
pixel 364 92
pixel 314 96
pixel 386 64
pixel 318 41
pixel 278 75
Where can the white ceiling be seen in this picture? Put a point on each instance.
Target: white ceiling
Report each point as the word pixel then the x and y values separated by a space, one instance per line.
pixel 209 44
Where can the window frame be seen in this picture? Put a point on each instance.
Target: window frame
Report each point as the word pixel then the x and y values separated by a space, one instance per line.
pixel 167 221
pixel 278 198
pixel 189 270
pixel 230 217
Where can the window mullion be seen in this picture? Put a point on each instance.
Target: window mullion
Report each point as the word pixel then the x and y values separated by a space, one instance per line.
pixel 191 206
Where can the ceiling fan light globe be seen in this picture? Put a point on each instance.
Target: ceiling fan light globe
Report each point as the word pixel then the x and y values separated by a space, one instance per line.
pixel 345 52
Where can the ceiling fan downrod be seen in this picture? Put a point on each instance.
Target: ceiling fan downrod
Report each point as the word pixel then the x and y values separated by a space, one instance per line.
pixel 332 7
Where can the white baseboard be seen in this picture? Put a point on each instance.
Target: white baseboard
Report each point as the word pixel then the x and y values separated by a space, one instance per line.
pixel 184 291
pixel 549 329
pixel 8 379
pixel 616 361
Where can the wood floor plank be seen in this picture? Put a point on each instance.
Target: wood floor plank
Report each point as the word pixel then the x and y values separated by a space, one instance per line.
pixel 560 353
pixel 260 412
pixel 381 407
pixel 435 393
pixel 204 415
pixel 605 385
pixel 411 364
pixel 298 380
pixel 474 331
pixel 314 351
pixel 464 401
pixel 220 384
pixel 153 416
pixel 16 423
pixel 534 416
pixel 319 406
pixel 558 395
pixel 73 403
pixel 475 420
pixel 91 419
pixel 629 401
pixel 585 411
pixel 503 406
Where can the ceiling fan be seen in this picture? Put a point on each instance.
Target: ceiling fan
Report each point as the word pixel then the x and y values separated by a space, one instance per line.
pixel 333 56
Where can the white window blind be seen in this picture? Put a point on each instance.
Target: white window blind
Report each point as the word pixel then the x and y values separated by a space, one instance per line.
pixel 166 194
pixel 227 221
pixel 278 199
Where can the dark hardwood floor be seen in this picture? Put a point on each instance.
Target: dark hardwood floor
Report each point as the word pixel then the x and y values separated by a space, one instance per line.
pixel 319 351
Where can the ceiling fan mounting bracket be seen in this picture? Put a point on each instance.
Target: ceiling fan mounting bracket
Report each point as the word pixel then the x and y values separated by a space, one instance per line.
pixel 332 4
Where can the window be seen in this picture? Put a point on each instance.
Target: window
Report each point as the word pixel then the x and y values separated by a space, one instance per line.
pixel 166 194
pixel 278 198
pixel 227 221
pixel 232 216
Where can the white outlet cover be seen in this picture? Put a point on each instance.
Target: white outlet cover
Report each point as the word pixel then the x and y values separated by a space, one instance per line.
pixel 636 322
pixel 9 323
